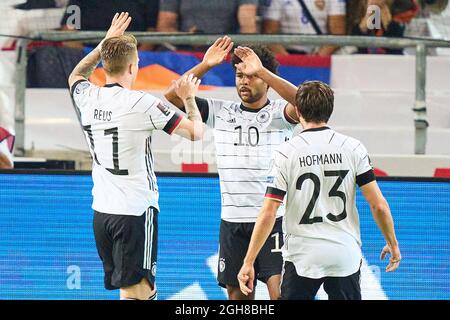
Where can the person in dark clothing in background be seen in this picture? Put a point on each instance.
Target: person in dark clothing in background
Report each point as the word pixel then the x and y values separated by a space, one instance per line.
pixel 95 16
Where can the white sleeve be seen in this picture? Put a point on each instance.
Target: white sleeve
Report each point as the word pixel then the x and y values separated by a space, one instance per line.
pixel 281 106
pixel 80 91
pixel 364 168
pixel 158 115
pixel 214 107
pixel 336 7
pixel 277 178
pixel 272 9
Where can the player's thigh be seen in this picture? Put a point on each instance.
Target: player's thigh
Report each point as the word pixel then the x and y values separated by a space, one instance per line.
pixel 269 261
pixel 295 287
pixel 135 249
pixel 104 244
pixel 344 288
pixel 233 245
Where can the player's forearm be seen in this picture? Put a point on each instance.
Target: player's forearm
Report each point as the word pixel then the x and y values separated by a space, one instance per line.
pixel 283 87
pixel 263 227
pixel 194 115
pixel 199 71
pixel 86 66
pixel 382 215
pixel 4 162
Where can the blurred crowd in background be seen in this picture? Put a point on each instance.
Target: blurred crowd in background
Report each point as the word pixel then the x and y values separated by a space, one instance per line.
pixel 398 18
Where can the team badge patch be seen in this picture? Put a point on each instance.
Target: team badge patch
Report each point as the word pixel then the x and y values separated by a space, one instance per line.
pixel 263 117
pixel 222 265
pixel 164 109
pixel 81 87
pixel 153 269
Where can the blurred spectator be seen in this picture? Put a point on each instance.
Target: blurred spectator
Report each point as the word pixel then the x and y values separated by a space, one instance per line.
pixel 394 14
pixel 96 16
pixel 214 16
pixel 42 4
pixel 306 17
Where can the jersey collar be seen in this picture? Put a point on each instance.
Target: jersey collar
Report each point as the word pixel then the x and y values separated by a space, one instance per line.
pixel 110 85
pixel 316 129
pixel 244 108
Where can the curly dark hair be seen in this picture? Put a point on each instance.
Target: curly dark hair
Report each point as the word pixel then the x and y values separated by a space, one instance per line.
pixel 265 55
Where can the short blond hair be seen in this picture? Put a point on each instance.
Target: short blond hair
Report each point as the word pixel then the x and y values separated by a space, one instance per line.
pixel 117 53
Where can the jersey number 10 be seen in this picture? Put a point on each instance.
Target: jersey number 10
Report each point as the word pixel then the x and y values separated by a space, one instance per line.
pixel 115 149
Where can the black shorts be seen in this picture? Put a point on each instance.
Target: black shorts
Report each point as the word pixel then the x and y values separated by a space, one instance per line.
pixel 127 246
pixel 295 287
pixel 234 241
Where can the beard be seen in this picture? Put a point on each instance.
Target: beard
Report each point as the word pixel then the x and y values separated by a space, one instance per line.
pixel 249 96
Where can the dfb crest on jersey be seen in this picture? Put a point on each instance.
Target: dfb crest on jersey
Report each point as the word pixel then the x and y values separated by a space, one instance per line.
pixel 153 269
pixel 263 117
pixel 164 109
pixel 222 264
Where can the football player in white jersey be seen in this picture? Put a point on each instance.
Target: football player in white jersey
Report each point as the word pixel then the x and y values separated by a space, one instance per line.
pixel 118 124
pixel 319 170
pixel 246 133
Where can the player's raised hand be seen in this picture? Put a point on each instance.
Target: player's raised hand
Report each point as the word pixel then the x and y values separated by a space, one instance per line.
pixel 187 86
pixel 396 256
pixel 251 64
pixel 246 278
pixel 218 51
pixel 119 25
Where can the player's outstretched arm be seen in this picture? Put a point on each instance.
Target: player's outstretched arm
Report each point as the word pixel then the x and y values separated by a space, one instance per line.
pixel 213 57
pixel 263 227
pixel 191 127
pixel 87 65
pixel 382 216
pixel 251 65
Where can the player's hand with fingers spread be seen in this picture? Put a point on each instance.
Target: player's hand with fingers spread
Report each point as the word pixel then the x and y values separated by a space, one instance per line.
pixel 246 278
pixel 119 25
pixel 218 51
pixel 396 256
pixel 251 64
pixel 187 86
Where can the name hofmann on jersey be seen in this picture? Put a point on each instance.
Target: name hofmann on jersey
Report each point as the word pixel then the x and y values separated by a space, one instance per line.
pixel 321 159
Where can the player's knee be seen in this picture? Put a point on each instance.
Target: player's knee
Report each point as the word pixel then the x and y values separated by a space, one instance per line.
pixel 141 291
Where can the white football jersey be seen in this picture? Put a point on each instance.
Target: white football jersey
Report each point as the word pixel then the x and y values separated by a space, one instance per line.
pixel 118 124
pixel 245 141
pixel 319 170
pixel 292 19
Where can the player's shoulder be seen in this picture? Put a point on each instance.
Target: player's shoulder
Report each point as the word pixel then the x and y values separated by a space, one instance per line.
pixel 80 87
pixel 350 144
pixel 287 148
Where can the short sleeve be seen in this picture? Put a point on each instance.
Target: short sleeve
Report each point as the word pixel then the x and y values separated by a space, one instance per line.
pixel 281 106
pixel 272 9
pixel 364 168
pixel 80 92
pixel 337 7
pixel 276 179
pixel 169 5
pixel 215 106
pixel 159 116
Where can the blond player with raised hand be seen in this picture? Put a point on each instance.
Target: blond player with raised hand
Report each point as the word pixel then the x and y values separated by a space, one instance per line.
pixel 118 123
pixel 318 170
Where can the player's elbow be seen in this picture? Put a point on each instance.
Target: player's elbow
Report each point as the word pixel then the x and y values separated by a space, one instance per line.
pixel 380 207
